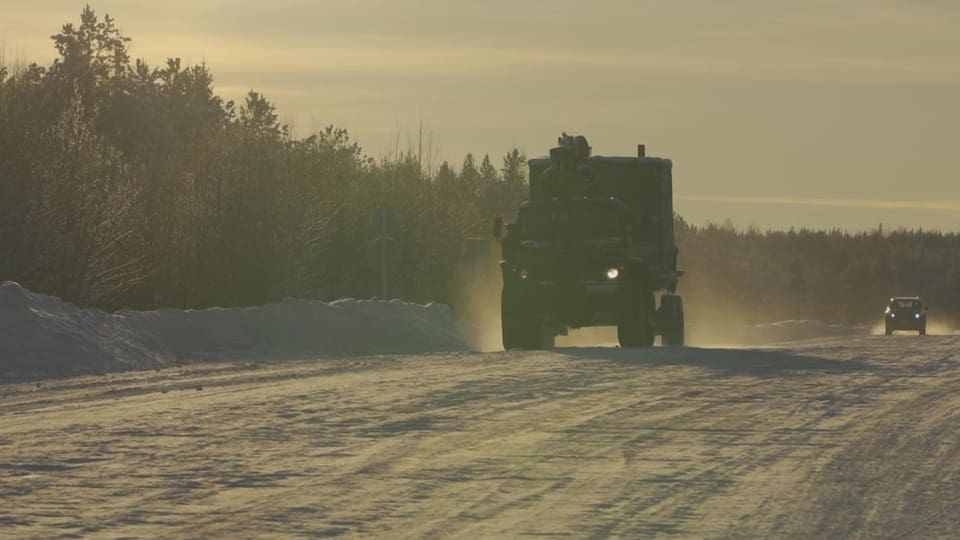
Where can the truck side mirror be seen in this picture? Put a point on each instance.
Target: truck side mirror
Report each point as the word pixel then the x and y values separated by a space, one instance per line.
pixel 497 227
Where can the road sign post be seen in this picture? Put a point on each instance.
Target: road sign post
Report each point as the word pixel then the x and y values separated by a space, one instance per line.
pixel 384 247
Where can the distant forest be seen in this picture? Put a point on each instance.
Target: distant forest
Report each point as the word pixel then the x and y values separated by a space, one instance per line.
pixel 125 185
pixel 753 276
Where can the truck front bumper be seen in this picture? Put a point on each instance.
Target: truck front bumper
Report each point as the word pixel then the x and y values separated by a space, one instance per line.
pixel 577 304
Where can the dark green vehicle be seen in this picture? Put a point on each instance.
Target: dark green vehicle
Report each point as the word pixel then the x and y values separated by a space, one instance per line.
pixel 592 246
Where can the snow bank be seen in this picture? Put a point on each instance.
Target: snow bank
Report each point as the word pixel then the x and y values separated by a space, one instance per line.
pixel 728 333
pixel 796 330
pixel 43 336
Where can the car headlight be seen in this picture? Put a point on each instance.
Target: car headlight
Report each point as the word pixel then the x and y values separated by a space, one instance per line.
pixel 917 316
pixel 613 273
pixel 893 315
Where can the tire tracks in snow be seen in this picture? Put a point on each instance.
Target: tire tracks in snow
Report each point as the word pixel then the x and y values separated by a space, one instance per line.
pixel 829 437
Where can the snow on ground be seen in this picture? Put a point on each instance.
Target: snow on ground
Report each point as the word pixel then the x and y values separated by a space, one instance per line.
pixel 852 436
pixel 729 334
pixel 844 437
pixel 796 330
pixel 44 336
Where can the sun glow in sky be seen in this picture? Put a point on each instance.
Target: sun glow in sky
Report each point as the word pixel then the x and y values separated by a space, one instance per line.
pixel 820 113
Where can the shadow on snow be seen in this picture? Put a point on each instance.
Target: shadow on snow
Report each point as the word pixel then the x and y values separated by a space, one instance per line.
pixel 753 362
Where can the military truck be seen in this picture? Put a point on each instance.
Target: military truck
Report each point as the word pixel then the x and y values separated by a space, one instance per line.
pixel 593 245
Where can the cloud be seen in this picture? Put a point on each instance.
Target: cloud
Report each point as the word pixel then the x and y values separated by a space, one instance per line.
pixel 834 98
pixel 693 40
pixel 944 205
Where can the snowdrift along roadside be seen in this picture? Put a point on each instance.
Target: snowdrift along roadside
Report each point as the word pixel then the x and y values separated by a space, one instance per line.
pixel 42 335
pixel 798 330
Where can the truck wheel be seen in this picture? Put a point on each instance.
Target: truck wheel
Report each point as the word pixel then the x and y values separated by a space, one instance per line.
pixel 511 321
pixel 521 325
pixel 547 339
pixel 634 328
pixel 533 333
pixel 671 320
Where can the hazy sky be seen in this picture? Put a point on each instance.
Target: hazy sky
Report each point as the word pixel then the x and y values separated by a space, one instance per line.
pixel 816 113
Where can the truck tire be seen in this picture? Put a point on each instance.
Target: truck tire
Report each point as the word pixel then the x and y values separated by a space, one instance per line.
pixel 511 321
pixel 521 324
pixel 671 319
pixel 634 328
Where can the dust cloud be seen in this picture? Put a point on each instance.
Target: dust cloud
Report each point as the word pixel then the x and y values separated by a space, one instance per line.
pixel 475 294
pixel 712 318
pixel 477 309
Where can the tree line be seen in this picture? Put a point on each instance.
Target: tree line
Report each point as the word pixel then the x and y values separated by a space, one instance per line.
pixel 762 276
pixel 126 185
pixel 136 186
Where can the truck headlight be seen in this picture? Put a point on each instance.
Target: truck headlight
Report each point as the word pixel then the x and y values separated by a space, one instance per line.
pixel 613 273
pixel 917 316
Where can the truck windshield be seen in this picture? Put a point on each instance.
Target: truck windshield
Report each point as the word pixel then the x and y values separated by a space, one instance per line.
pixel 578 220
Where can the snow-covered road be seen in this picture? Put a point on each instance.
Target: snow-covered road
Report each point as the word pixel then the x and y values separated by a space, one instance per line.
pixel 839 437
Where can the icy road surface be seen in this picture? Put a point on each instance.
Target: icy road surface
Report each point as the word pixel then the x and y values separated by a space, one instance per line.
pixel 843 438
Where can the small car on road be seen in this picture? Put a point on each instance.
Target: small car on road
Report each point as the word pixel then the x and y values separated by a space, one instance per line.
pixel 905 313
